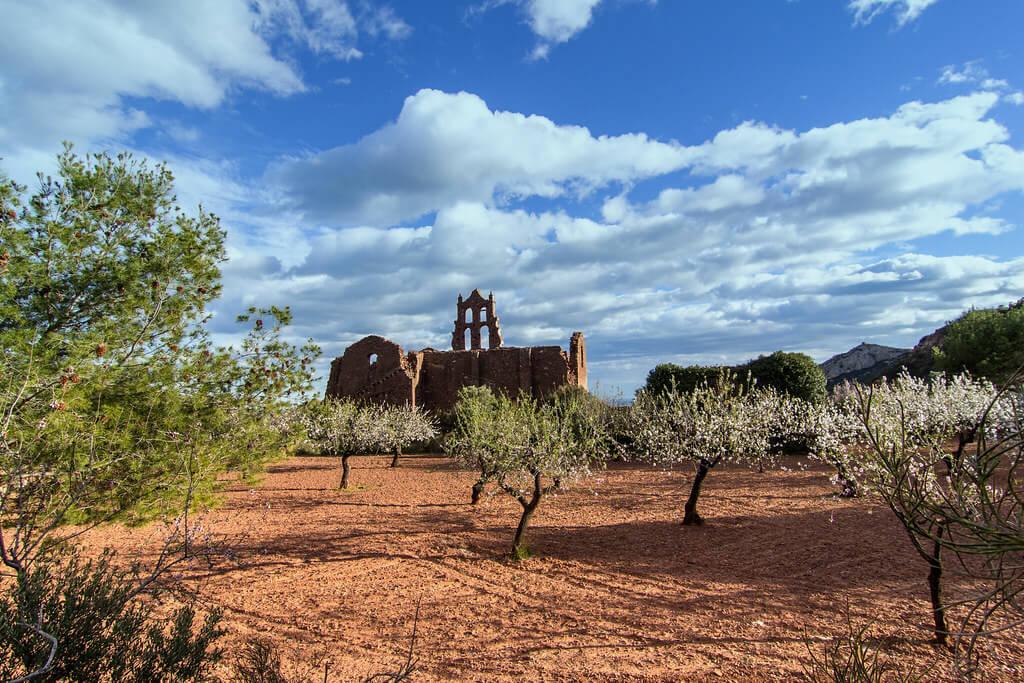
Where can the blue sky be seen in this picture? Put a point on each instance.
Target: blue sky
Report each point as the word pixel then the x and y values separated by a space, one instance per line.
pixel 696 181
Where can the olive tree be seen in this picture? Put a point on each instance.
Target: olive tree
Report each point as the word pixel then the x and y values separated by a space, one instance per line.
pixel 711 424
pixel 530 449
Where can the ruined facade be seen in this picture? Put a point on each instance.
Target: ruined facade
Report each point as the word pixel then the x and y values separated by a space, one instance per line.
pixel 377 369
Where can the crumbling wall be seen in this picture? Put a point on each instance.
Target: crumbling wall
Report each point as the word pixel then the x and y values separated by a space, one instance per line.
pixel 578 359
pixel 375 369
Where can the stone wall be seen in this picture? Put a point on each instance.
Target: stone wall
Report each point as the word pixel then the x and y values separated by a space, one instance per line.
pixel 377 369
pixel 432 379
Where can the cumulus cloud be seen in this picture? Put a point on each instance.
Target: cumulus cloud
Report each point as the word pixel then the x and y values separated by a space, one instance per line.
pixel 450 147
pixel 556 21
pixel 771 242
pixel 553 21
pixel 906 10
pixel 69 69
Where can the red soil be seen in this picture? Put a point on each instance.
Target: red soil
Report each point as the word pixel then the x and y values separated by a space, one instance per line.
pixel 617 590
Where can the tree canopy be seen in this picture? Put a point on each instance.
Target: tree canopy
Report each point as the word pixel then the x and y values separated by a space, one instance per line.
pixel 986 342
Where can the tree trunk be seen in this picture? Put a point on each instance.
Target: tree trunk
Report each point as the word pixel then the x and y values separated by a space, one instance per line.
pixel 935 591
pixel 690 515
pixel 398 454
pixel 478 489
pixel 519 551
pixel 848 483
pixel 345 469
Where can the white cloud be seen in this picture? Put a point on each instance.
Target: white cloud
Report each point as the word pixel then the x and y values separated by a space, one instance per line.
pixel 66 68
pixel 323 26
pixel 383 21
pixel 553 21
pixel 446 148
pixel 906 10
pixel 771 244
pixel 1016 98
pixel 328 26
pixel 970 73
pixel 556 21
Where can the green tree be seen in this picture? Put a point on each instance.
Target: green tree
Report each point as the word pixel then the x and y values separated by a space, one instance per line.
pixel 668 377
pixel 529 449
pixel 986 342
pixel 103 294
pixel 114 402
pixel 794 374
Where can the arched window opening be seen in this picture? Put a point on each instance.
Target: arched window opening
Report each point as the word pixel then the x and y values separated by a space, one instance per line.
pixel 483 315
pixel 469 315
pixel 485 336
pixel 469 340
pixel 373 360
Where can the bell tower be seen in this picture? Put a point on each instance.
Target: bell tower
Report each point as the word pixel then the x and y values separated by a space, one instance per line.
pixel 476 313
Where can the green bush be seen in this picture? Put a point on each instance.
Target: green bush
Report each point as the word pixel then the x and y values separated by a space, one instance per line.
pixel 795 374
pixel 105 631
pixel 987 343
pixel 666 376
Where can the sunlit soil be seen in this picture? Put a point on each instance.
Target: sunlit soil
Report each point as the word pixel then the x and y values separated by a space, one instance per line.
pixel 617 589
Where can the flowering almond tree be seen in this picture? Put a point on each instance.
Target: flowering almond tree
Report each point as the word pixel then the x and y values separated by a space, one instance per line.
pixel 834 430
pixel 343 428
pixel 529 449
pixel 914 434
pixel 403 426
pixel 707 426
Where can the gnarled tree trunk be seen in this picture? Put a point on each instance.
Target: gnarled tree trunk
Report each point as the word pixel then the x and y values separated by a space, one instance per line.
pixel 519 541
pixel 345 469
pixel 690 515
pixel 397 455
pixel 935 591
pixel 478 489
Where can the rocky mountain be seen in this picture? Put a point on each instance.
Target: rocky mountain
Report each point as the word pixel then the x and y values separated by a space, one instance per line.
pixel 862 362
pixel 867 362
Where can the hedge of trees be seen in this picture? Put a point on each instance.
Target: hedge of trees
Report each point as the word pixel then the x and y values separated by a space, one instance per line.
pixel 793 374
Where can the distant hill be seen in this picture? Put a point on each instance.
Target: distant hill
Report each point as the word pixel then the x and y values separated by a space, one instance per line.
pixel 867 362
pixel 863 362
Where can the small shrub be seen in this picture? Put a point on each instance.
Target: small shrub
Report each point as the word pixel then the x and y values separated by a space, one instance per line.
pixel 258 662
pixel 855 658
pixel 104 629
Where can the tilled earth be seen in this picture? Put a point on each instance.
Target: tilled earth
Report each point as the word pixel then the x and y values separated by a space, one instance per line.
pixel 617 589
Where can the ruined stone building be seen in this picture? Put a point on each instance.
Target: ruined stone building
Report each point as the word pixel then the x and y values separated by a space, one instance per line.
pixel 377 369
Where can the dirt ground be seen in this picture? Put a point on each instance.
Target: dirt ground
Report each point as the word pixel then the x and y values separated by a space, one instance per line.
pixel 617 589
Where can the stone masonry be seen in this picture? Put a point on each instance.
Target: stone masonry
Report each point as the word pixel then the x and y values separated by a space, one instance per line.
pixel 377 369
